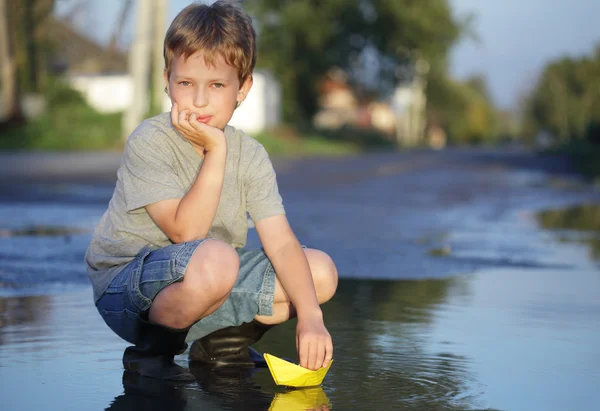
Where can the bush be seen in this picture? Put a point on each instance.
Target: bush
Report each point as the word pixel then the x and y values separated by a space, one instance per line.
pixel 68 124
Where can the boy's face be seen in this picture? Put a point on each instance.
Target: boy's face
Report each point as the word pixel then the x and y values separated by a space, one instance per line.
pixel 212 92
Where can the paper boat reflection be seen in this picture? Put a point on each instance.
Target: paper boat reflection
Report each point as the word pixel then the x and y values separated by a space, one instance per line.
pixel 292 375
pixel 306 399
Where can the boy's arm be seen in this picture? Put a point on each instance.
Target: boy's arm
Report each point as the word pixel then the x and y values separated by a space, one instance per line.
pixel 314 343
pixel 191 217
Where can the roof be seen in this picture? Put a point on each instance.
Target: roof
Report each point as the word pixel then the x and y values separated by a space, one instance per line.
pixel 74 53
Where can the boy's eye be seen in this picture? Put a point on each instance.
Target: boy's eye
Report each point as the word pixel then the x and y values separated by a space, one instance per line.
pixel 219 85
pixel 184 83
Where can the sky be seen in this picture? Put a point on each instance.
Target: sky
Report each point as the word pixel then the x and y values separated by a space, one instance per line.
pixel 518 37
pixel 515 38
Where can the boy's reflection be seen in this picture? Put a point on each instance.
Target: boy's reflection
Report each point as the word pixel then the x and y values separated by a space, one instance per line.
pixel 226 389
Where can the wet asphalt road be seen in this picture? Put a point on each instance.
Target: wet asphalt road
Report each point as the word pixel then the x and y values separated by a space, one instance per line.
pixel 380 215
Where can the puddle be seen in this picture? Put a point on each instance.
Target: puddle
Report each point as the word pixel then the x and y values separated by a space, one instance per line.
pixel 500 339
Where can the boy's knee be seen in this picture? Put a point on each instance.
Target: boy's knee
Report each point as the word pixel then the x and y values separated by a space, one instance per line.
pixel 213 269
pixel 324 272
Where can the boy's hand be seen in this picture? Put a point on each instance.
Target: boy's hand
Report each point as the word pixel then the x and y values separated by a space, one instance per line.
pixel 199 134
pixel 315 348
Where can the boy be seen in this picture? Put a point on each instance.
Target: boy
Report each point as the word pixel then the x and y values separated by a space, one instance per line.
pixel 166 260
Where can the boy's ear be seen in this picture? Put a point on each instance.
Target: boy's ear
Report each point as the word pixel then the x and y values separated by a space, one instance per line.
pixel 166 77
pixel 245 89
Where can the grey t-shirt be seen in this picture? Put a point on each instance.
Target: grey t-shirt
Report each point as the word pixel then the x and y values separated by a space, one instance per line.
pixel 159 164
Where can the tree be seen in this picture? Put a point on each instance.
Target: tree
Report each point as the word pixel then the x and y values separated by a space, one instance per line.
pixel 23 50
pixel 565 102
pixel 10 90
pixel 29 20
pixel 301 40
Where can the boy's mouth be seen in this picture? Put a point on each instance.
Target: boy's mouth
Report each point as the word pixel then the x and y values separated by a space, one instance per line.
pixel 203 119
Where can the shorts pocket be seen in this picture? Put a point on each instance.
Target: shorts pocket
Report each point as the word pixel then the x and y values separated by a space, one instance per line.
pixel 123 323
pixel 139 301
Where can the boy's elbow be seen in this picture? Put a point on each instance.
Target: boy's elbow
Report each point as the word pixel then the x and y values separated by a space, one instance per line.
pixel 184 237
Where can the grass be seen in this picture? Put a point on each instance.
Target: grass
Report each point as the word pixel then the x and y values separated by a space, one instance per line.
pixel 305 145
pixel 68 124
pixel 66 128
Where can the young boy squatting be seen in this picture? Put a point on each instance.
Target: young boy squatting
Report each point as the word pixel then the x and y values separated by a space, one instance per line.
pixel 167 260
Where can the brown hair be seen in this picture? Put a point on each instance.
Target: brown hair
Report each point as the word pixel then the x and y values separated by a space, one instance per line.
pixel 221 29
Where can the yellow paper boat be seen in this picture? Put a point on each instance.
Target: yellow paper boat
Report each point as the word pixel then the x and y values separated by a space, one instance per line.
pixel 292 375
pixel 307 399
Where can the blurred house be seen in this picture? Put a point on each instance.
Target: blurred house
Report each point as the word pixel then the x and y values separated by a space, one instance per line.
pixel 339 106
pixel 101 76
pixel 338 103
pixel 262 108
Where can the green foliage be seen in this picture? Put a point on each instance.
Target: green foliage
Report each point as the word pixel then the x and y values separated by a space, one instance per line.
pixel 464 109
pixel 301 40
pixel 566 100
pixel 32 44
pixel 58 93
pixel 68 124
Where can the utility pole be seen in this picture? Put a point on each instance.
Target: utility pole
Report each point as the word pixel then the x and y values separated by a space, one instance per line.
pixel 158 62
pixel 139 67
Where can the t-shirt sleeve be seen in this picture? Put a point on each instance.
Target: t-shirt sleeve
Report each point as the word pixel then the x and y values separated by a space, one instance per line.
pixel 148 175
pixel 262 194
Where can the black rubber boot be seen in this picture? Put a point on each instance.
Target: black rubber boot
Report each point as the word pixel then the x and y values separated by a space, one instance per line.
pixel 153 357
pixel 230 347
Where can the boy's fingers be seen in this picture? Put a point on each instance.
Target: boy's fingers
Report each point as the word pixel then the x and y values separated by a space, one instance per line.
pixel 303 353
pixel 184 121
pixel 197 125
pixel 328 352
pixel 320 354
pixel 182 116
pixel 174 114
pixel 313 348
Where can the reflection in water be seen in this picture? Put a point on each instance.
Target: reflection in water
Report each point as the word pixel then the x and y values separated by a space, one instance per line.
pixel 583 221
pixel 24 311
pixel 224 390
pixel 389 348
pixel 509 339
pixel 303 399
pixel 382 356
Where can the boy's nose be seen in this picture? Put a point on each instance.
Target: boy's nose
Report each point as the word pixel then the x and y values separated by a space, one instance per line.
pixel 200 99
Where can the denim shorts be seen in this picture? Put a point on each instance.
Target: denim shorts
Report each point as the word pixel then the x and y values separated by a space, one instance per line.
pixel 132 291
